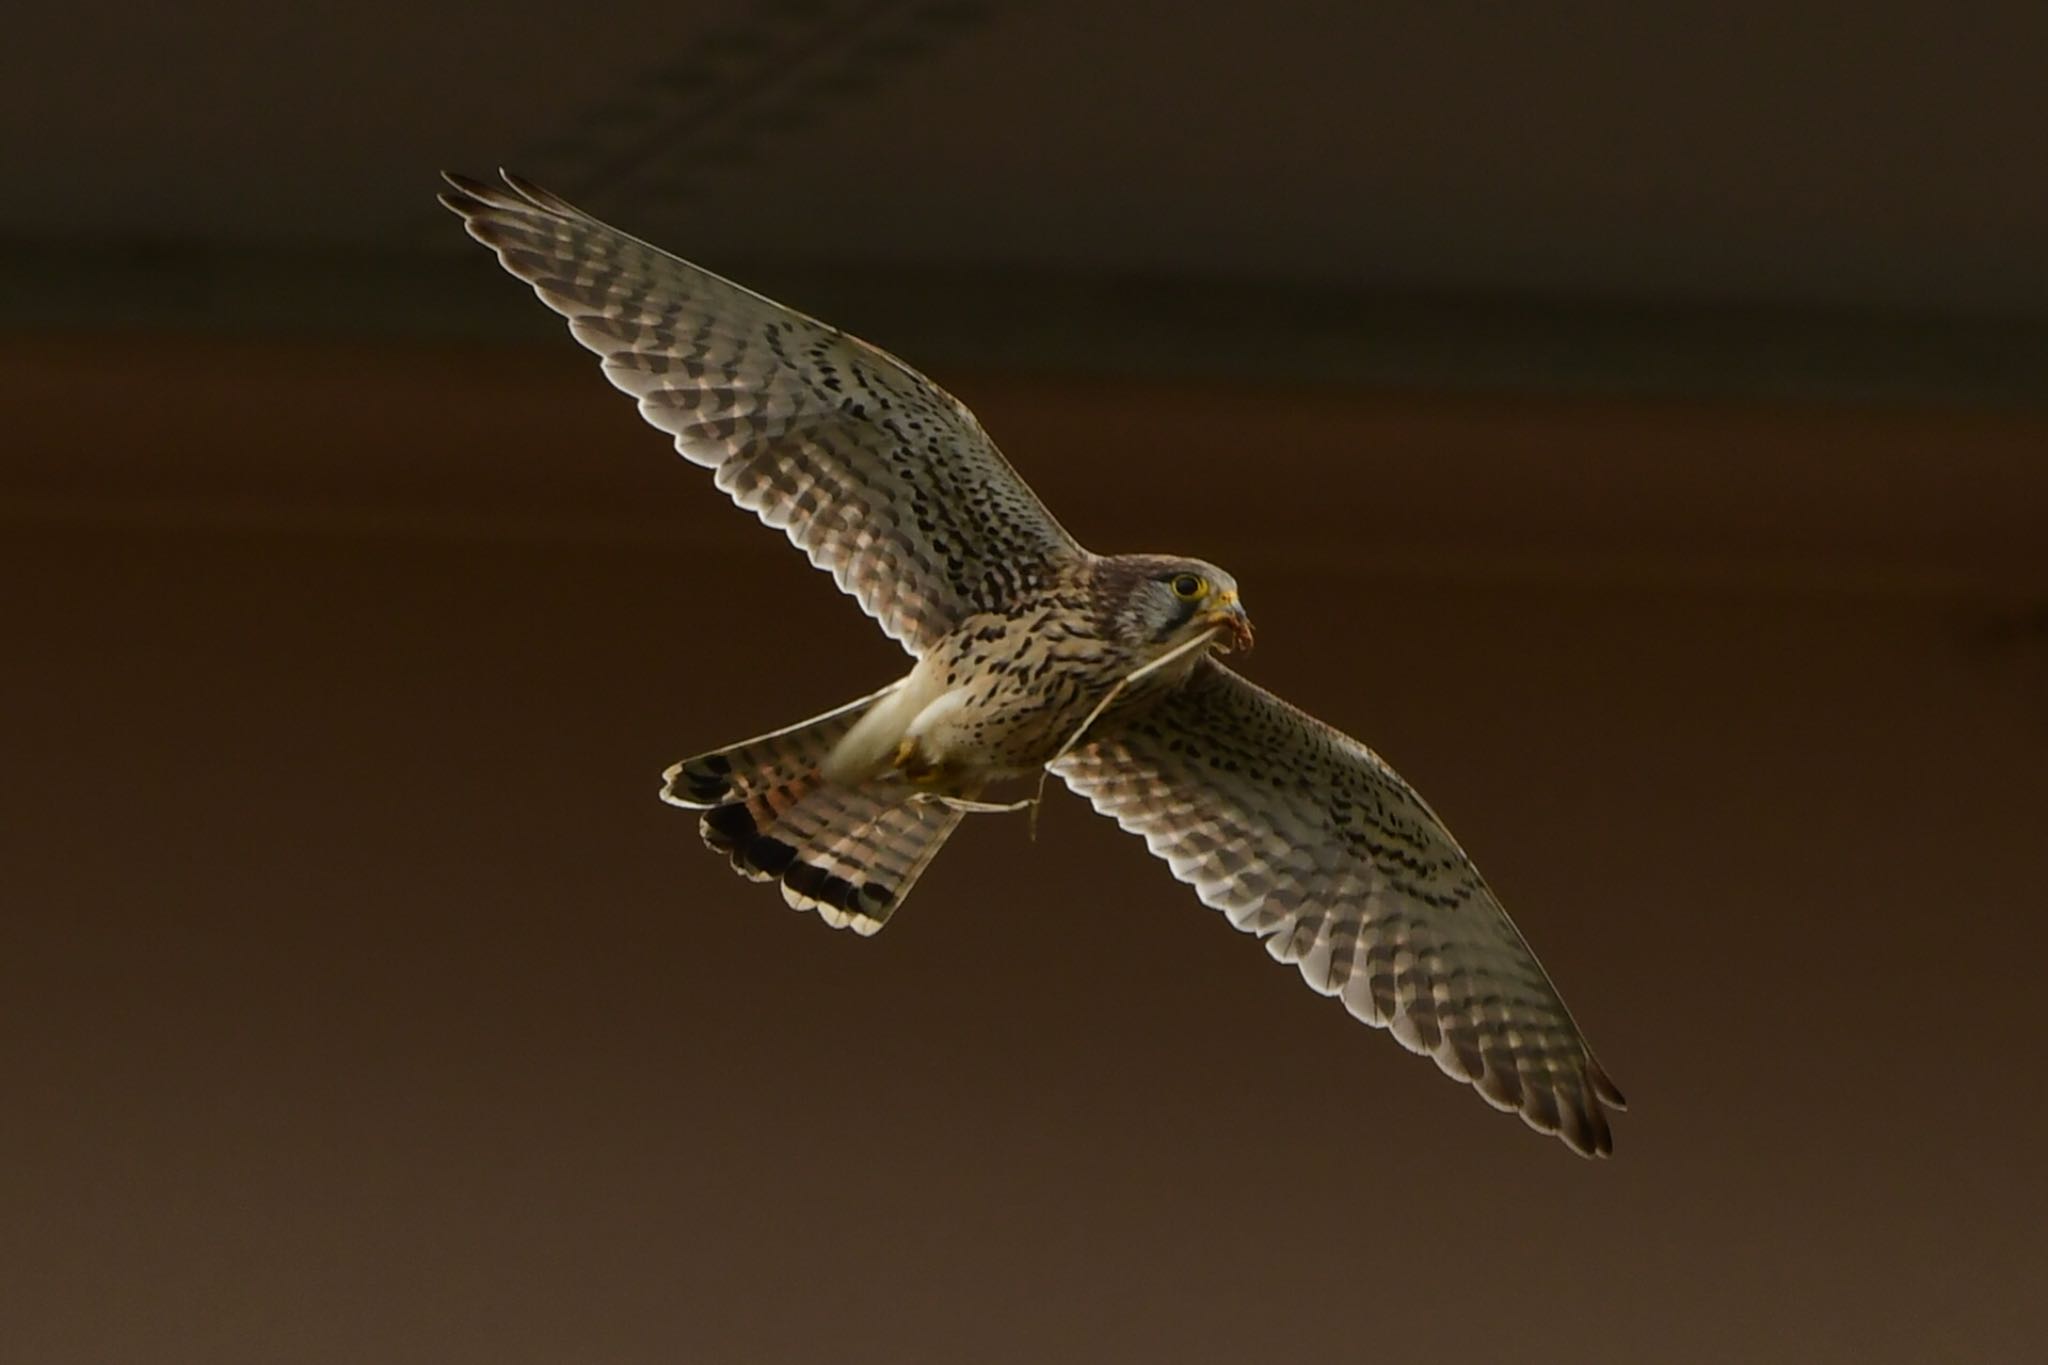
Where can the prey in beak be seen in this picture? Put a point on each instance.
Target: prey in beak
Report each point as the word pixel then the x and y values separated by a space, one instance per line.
pixel 1228 614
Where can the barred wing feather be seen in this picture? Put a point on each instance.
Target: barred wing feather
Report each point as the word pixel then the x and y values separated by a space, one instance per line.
pixel 1303 836
pixel 884 479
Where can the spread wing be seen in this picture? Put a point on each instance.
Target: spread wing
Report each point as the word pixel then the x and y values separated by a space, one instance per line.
pixel 1305 837
pixel 880 476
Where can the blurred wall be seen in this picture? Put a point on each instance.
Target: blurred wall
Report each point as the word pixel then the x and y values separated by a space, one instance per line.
pixel 358 1001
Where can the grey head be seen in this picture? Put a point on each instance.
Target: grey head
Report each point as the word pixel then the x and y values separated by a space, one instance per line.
pixel 1153 603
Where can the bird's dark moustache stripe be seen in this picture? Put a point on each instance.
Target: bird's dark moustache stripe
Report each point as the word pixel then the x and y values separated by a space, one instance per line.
pixel 1174 626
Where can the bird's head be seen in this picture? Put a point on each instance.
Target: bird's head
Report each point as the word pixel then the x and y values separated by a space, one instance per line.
pixel 1166 601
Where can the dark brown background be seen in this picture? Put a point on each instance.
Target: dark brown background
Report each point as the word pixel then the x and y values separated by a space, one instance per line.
pixel 358 1002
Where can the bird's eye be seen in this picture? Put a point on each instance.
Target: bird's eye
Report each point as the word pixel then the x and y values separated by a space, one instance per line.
pixel 1188 586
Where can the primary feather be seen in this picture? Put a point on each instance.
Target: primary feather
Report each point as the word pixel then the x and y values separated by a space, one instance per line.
pixel 883 478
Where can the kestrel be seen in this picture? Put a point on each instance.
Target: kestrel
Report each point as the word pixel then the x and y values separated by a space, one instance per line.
pixel 1033 654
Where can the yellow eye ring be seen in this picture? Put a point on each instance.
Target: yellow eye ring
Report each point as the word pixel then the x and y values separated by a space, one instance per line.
pixel 1188 587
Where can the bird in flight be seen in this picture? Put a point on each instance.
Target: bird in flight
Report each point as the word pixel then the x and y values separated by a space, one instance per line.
pixel 1033 655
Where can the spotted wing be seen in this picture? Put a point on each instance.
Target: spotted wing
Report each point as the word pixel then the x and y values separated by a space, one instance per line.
pixel 884 479
pixel 1305 837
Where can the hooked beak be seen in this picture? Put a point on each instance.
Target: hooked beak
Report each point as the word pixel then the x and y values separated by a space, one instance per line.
pixel 1228 613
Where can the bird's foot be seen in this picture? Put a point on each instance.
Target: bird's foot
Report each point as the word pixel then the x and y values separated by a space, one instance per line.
pixel 911 764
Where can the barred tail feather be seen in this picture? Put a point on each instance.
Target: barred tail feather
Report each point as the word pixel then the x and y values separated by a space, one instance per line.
pixel 757 766
pixel 851 852
pixel 865 856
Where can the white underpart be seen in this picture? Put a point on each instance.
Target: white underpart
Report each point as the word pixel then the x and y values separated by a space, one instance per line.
pixel 873 740
pixel 922 709
pixel 929 726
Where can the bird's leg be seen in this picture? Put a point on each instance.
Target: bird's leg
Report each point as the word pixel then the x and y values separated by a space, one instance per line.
pixel 928 781
pixel 927 777
pixel 973 807
pixel 913 765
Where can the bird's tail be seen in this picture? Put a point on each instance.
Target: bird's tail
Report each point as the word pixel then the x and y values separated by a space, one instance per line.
pixel 850 852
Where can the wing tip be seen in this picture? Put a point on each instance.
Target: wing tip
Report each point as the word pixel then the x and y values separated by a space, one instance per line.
pixel 539 196
pixel 473 198
pixel 1576 1114
pixel 1604 1087
pixel 1569 1106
